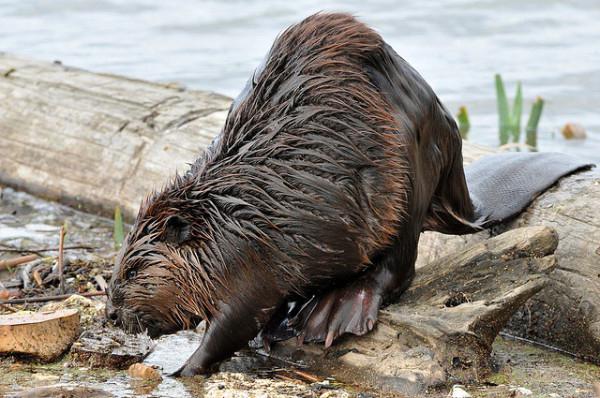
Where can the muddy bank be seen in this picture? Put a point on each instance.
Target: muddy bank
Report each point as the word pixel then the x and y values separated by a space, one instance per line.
pixel 544 373
pixel 29 223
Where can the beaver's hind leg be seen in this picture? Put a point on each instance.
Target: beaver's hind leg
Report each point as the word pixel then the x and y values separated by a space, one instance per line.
pixel 350 308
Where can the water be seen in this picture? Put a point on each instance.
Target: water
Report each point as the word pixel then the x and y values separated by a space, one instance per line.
pixel 552 46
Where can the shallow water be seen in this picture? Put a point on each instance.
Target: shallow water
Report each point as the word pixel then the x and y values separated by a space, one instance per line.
pixel 552 46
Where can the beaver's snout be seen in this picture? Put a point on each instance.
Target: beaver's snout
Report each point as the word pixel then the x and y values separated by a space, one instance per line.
pixel 112 314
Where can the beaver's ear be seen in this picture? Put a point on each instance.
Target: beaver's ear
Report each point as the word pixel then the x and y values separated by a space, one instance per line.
pixel 177 230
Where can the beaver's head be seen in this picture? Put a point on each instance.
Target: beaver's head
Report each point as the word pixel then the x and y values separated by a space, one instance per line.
pixel 159 282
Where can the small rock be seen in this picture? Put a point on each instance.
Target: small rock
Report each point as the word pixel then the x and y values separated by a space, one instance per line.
pixel 45 377
pixel 573 131
pixel 141 371
pixel 109 347
pixel 458 392
pixel 521 392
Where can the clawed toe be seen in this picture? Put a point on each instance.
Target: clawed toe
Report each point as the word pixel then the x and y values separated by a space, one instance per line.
pixel 352 309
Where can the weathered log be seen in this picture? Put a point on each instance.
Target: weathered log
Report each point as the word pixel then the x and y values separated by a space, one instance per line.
pixel 444 325
pixel 567 313
pixel 96 140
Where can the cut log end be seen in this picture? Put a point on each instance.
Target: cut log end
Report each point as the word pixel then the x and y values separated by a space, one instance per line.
pixel 43 335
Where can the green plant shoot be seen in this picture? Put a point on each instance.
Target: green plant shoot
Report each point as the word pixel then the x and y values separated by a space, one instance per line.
pixel 504 119
pixel 118 232
pixel 517 110
pixel 463 122
pixel 532 123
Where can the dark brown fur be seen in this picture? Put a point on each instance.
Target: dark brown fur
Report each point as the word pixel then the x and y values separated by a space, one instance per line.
pixel 323 177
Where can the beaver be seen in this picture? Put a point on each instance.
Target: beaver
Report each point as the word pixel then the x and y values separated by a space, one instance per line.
pixel 303 216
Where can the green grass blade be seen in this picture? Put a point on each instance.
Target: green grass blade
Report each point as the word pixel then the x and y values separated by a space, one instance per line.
pixel 517 111
pixel 504 120
pixel 118 232
pixel 463 122
pixel 532 123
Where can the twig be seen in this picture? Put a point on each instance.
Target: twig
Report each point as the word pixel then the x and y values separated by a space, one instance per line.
pixel 271 356
pixel 533 342
pixel 49 249
pixel 9 308
pixel 285 378
pixel 5 264
pixel 101 282
pixel 61 247
pixel 37 277
pixel 59 297
pixel 306 376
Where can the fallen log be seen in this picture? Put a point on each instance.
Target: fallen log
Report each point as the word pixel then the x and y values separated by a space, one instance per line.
pixel 443 327
pixel 97 140
pixel 567 313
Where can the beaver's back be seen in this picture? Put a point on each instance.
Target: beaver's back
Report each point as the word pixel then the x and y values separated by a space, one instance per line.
pixel 312 154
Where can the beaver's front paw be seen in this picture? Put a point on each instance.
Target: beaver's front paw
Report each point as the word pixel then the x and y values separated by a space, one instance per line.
pixel 190 369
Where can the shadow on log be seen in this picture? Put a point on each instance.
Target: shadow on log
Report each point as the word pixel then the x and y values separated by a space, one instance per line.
pixel 443 328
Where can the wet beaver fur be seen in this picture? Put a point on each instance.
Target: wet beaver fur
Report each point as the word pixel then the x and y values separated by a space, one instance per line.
pixel 303 216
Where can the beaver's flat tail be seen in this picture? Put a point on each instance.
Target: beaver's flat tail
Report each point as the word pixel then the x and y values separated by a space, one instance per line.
pixel 502 185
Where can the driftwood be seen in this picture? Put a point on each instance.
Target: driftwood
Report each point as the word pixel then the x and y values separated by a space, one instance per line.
pixel 84 138
pixel 444 325
pixel 108 347
pixel 97 140
pixel 567 313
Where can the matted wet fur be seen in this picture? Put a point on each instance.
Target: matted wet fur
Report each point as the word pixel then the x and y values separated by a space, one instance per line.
pixel 331 163
pixel 324 173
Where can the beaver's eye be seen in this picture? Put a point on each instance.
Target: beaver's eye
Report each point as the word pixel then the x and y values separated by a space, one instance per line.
pixel 131 274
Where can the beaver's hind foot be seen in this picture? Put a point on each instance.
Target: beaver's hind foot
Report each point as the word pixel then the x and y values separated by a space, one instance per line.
pixel 348 309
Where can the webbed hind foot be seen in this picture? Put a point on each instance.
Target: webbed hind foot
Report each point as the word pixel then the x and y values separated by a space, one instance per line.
pixel 349 309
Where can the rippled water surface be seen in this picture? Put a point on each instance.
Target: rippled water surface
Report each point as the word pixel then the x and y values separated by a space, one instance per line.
pixel 552 46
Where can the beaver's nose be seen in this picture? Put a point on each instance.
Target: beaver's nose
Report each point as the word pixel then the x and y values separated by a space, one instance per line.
pixel 111 313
